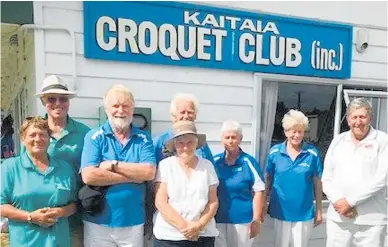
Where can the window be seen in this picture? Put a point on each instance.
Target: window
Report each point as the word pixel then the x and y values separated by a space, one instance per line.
pixel 378 99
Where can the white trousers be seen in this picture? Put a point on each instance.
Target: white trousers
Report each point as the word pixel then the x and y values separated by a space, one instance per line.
pixel 233 235
pixel 344 234
pixel 295 233
pixel 103 236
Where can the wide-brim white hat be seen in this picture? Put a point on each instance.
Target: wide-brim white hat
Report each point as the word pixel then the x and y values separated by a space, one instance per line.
pixel 55 85
pixel 182 128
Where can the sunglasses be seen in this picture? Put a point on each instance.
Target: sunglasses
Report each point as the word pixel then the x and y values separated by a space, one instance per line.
pixel 60 99
pixel 34 117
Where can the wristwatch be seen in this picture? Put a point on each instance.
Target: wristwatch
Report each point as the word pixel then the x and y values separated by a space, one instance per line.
pixel 259 221
pixel 114 165
pixel 29 218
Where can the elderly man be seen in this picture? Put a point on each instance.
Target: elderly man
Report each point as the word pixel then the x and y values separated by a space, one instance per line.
pixel 67 137
pixel 183 107
pixel 354 180
pixel 120 156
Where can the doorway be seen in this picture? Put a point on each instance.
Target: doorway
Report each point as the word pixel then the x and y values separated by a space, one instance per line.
pixel 324 101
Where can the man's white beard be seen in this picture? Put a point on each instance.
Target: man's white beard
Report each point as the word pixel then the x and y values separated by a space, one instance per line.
pixel 120 124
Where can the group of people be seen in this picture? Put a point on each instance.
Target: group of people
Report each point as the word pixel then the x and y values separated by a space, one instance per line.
pixel 199 199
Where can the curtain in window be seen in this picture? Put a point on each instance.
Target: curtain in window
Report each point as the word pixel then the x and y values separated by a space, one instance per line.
pixel 269 99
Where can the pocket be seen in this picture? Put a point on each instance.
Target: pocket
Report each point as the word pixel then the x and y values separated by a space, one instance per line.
pixel 369 158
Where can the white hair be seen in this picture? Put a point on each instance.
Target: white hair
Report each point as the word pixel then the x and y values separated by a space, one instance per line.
pixel 358 103
pixel 294 118
pixel 231 125
pixel 183 97
pixel 119 88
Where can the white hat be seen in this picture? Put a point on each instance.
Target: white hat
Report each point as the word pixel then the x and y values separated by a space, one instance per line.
pixel 55 85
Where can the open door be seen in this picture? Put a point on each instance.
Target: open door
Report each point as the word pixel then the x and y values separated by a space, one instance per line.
pixel 319 101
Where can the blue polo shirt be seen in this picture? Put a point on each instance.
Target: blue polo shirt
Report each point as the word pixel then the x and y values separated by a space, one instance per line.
pixel 124 203
pixel 68 147
pixel 26 188
pixel 161 152
pixel 292 191
pixel 236 187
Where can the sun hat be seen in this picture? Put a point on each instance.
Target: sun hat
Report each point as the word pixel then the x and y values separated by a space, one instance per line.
pixel 55 85
pixel 180 128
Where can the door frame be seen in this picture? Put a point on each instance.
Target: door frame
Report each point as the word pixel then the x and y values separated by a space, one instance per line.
pixel 259 78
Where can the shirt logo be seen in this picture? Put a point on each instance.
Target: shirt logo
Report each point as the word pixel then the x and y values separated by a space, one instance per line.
pixel 305 165
pixel 368 146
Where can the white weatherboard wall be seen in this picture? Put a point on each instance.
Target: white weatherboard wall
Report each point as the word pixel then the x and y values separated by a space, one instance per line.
pixel 222 94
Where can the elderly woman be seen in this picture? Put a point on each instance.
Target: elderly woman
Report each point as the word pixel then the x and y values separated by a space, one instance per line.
pixel 354 180
pixel 186 193
pixel 293 174
pixel 240 193
pixel 37 192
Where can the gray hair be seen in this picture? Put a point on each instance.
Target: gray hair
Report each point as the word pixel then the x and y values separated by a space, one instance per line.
pixel 294 118
pixel 231 125
pixel 119 88
pixel 185 97
pixel 358 103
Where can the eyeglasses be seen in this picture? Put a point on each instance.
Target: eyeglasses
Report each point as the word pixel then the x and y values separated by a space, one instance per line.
pixel 36 121
pixel 61 99
pixel 34 117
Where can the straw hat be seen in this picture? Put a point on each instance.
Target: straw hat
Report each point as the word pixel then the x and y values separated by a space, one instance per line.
pixel 181 128
pixel 55 85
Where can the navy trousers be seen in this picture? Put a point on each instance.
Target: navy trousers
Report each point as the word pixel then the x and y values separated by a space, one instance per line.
pixel 202 242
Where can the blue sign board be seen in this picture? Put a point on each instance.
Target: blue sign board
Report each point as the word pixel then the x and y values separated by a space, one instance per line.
pixel 183 34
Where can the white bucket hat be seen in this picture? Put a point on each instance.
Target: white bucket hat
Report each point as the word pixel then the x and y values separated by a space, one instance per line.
pixel 55 85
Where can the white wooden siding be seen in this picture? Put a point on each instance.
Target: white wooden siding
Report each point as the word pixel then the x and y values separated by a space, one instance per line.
pixel 223 94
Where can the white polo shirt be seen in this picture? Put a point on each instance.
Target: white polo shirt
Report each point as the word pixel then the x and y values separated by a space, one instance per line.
pixel 187 195
pixel 358 172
